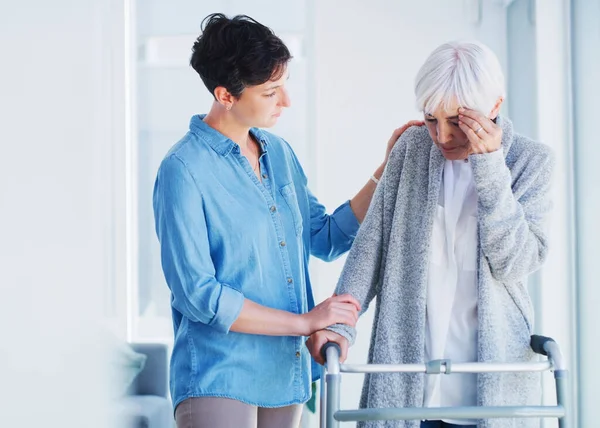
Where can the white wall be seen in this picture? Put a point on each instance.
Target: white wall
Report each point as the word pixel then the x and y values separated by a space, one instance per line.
pixel 55 174
pixel 556 305
pixel 586 63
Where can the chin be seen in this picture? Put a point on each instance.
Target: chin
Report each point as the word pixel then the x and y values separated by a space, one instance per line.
pixel 454 156
pixel 272 121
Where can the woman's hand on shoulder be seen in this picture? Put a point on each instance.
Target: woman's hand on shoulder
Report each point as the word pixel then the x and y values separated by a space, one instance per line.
pixel 396 135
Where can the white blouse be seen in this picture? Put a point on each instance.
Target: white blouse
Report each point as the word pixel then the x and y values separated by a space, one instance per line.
pixel 451 325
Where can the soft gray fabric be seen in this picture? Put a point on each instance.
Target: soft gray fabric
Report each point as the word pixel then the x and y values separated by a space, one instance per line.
pixel 389 260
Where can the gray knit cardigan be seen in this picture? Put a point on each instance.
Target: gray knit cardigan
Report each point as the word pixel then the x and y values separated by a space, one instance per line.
pixel 389 260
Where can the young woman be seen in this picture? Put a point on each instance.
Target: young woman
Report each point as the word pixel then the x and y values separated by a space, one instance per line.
pixel 237 224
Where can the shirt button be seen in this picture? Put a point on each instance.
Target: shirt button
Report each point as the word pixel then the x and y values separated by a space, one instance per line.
pixel 265 176
pixel 273 208
pixel 297 354
pixel 290 280
pixel 282 243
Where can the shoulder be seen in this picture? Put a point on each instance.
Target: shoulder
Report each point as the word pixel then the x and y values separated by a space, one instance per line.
pixel 413 144
pixel 183 158
pixel 190 149
pixel 527 147
pixel 415 135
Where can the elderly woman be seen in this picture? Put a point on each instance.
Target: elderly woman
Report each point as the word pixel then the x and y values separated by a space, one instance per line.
pixel 455 227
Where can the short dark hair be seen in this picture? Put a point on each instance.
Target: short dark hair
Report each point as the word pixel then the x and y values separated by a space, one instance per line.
pixel 236 53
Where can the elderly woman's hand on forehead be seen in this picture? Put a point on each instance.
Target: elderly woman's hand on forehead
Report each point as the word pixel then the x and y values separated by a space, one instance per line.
pixel 484 135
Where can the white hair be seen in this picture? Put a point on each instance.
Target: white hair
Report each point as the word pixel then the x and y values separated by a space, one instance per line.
pixel 467 73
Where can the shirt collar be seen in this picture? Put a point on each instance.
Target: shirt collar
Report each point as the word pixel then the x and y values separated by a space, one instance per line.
pixel 219 142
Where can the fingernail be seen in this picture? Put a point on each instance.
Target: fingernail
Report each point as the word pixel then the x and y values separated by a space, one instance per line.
pixel 460 110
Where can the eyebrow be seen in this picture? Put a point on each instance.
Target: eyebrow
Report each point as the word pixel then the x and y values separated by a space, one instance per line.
pixel 448 118
pixel 271 88
pixel 276 86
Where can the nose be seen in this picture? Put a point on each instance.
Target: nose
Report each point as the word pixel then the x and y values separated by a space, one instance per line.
pixel 284 99
pixel 444 134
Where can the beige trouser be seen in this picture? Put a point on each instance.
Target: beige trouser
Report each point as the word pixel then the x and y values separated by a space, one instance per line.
pixel 214 412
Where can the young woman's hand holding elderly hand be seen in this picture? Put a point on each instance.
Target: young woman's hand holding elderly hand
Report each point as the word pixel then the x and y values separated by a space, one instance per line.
pixel 341 309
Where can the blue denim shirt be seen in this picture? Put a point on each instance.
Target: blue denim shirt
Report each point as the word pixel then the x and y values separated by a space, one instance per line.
pixel 226 236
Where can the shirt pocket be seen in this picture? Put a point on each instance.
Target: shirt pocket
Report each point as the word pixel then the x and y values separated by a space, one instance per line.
pixel 439 248
pixel 469 245
pixel 289 195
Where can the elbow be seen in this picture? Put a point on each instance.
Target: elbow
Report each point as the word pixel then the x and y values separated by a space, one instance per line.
pixel 520 264
pixel 328 252
pixel 327 256
pixel 501 275
pixel 228 309
pixel 331 242
pixel 218 306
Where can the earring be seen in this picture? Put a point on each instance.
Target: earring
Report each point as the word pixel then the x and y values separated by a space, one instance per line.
pixel 228 107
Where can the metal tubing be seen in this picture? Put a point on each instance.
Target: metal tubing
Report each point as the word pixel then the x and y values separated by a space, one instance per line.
pixel 323 409
pixel 419 413
pixel 332 385
pixel 333 399
pixel 456 368
pixel 561 378
pixel 555 356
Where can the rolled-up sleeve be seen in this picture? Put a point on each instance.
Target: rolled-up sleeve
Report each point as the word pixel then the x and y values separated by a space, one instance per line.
pixel 331 234
pixel 185 252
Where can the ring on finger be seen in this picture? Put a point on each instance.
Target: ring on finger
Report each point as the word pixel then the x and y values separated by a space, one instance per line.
pixel 478 130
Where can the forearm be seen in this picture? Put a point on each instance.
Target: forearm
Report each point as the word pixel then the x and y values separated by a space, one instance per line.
pixel 512 232
pixel 258 319
pixel 361 201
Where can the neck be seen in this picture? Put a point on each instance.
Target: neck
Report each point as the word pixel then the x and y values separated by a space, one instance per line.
pixel 223 121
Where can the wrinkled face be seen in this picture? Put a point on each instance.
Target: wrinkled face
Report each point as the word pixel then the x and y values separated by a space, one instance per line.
pixel 446 134
pixel 260 106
